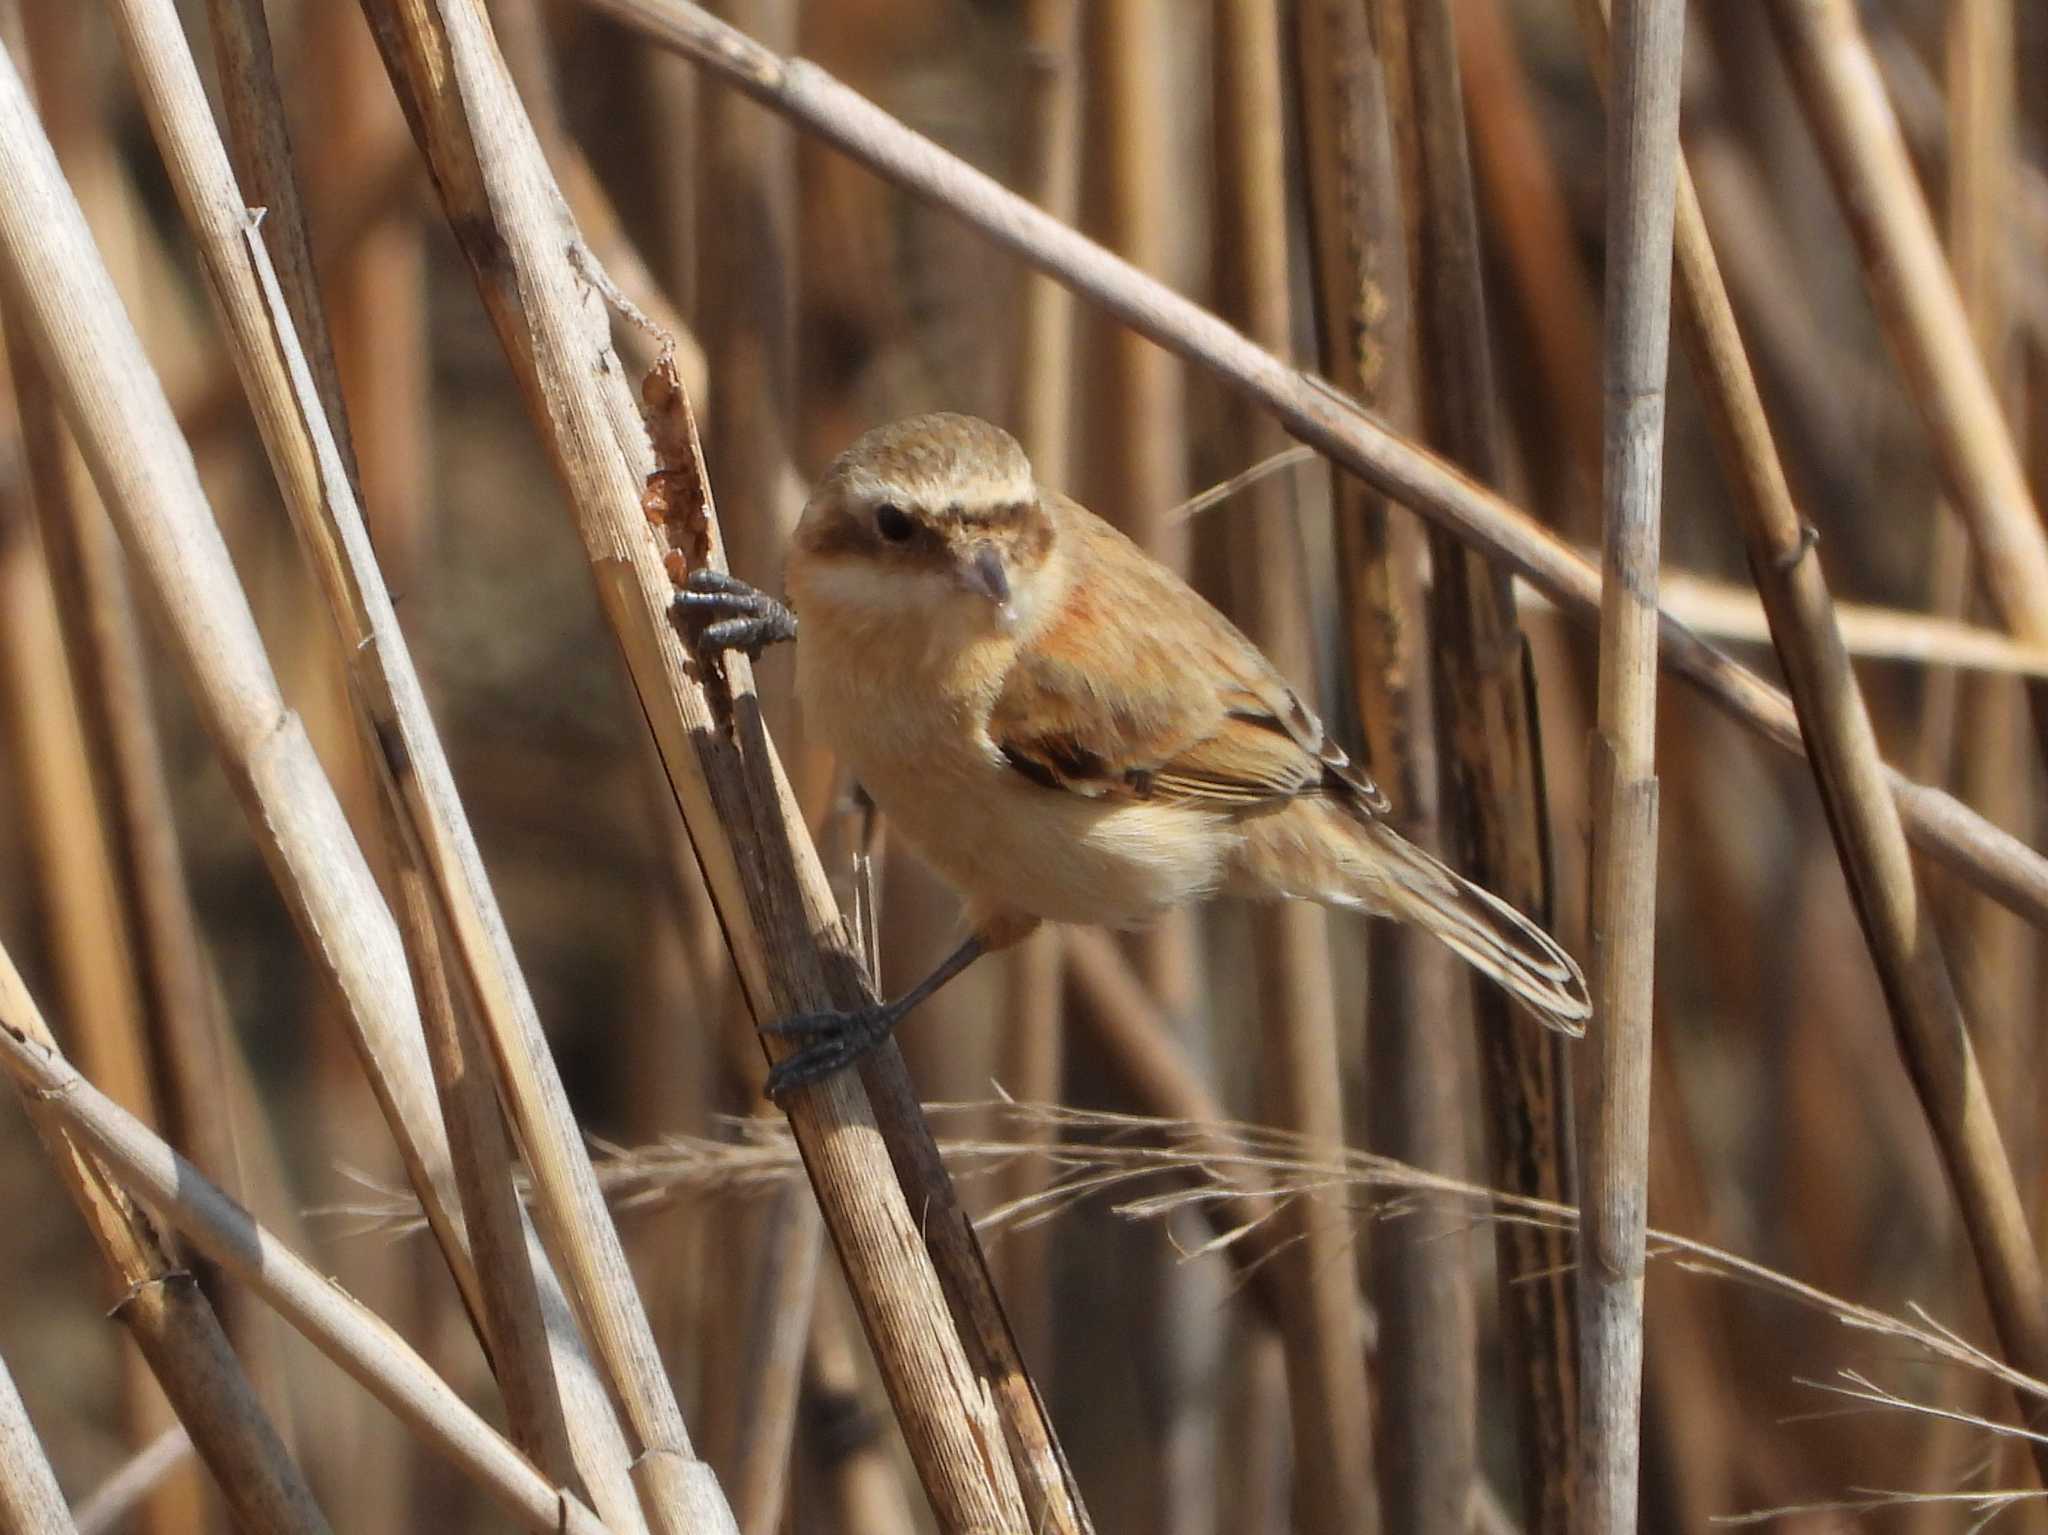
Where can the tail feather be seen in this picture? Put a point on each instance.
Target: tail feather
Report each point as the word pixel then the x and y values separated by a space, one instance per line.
pixel 1479 927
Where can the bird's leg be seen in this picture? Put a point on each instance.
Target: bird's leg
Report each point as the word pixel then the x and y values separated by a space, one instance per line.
pixel 837 1040
pixel 734 615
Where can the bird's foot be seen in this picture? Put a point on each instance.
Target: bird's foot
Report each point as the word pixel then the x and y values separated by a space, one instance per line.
pixel 731 615
pixel 837 1040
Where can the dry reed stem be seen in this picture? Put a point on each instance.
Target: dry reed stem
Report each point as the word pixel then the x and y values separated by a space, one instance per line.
pixel 1521 189
pixel 1988 858
pixel 103 1510
pixel 334 1322
pixel 771 894
pixel 1493 808
pixel 31 1502
pixel 1303 1068
pixel 146 477
pixel 1141 444
pixel 1033 1041
pixel 163 1309
pixel 1421 1279
pixel 1723 610
pixel 439 869
pixel 1915 295
pixel 194 1053
pixel 1645 50
pixel 1869 839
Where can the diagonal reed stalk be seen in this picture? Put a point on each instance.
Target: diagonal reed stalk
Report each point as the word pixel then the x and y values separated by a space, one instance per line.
pixel 967 1407
pixel 338 1325
pixel 1988 858
pixel 440 875
pixel 31 1502
pixel 1916 297
pixel 163 1309
pixel 1645 52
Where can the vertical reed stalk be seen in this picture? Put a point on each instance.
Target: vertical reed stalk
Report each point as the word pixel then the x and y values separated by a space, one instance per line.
pixel 1869 838
pixel 1303 1068
pixel 1033 1045
pixel 1491 776
pixel 1642 161
pixel 1421 1267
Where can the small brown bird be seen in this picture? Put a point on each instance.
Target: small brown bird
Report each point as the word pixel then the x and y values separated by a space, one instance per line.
pixel 1066 731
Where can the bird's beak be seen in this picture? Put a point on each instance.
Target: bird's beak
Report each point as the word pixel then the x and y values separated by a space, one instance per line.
pixel 982 572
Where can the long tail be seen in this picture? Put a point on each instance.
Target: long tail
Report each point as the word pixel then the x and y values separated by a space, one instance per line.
pixel 1403 881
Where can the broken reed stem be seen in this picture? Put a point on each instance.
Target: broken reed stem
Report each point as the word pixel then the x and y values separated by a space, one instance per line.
pixel 162 1307
pixel 1303 1069
pixel 334 1322
pixel 1838 84
pixel 31 1502
pixel 1493 811
pixel 1421 1273
pixel 421 811
pixel 1646 50
pixel 1335 426
pixel 864 1141
pixel 1861 815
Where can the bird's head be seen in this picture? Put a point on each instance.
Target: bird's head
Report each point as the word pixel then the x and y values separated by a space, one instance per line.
pixel 931 518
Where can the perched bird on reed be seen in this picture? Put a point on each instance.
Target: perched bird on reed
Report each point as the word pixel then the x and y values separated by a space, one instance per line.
pixel 1065 730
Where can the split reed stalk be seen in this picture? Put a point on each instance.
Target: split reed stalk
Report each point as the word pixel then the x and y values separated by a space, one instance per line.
pixel 1646 50
pixel 31 1502
pixel 1869 839
pixel 763 871
pixel 1303 1068
pixel 1421 1269
pixel 1335 426
pixel 1493 808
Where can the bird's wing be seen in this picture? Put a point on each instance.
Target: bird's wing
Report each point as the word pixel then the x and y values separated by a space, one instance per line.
pixel 1137 688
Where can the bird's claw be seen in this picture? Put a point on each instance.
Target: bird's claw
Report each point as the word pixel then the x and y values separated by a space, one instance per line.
pixel 837 1040
pixel 731 615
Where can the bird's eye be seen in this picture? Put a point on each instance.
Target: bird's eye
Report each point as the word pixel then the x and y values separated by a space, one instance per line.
pixel 893 523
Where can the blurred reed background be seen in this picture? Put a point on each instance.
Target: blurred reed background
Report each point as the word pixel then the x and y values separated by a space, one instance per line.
pixel 1231 1327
